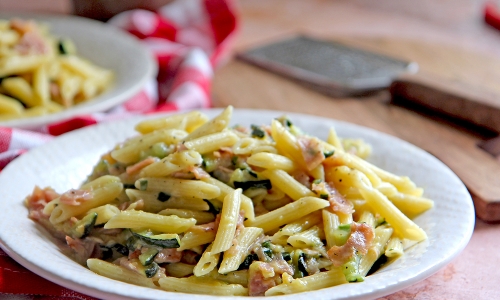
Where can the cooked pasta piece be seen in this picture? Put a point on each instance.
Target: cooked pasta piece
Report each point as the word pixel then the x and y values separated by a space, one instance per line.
pixel 272 161
pixel 207 262
pixel 183 188
pixel 138 219
pixel 186 121
pixel 288 213
pixel 236 254
pixel 215 125
pixel 118 273
pixel 228 221
pixel 287 184
pixel 196 285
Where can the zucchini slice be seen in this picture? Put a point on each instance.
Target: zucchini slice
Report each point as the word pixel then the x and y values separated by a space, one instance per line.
pixel 248 261
pixel 120 249
pixel 148 256
pixel 166 240
pixel 83 227
pixel 151 270
pixel 258 184
pixel 66 46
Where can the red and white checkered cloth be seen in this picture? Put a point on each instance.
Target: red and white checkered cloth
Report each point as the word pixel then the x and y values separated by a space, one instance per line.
pixel 189 38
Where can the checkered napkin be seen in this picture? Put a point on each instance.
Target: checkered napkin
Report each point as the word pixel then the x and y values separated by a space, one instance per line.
pixel 189 39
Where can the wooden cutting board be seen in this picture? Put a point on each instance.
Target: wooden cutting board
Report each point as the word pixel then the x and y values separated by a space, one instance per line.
pixel 243 85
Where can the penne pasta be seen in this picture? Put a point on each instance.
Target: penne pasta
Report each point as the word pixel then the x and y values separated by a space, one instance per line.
pixel 331 223
pixel 271 161
pixel 102 191
pixel 311 238
pixel 138 220
pixel 228 220
pixel 156 201
pixel 183 188
pixel 313 282
pixel 215 125
pixel 131 152
pixel 41 72
pixel 225 211
pixel 179 270
pixel 118 273
pixel 286 183
pixel 246 203
pixel 207 262
pixel 281 237
pixel 334 140
pixel 201 217
pixel 288 213
pixel 235 255
pixel 197 236
pixel 186 122
pixel 212 142
pixel 207 286
pixel 174 162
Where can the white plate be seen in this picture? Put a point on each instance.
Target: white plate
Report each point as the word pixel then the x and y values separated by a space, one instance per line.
pixel 65 162
pixel 103 45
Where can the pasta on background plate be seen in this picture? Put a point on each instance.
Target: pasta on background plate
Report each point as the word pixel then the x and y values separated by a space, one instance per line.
pixel 42 74
pixel 194 205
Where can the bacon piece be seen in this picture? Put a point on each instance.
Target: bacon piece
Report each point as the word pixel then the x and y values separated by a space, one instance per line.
pixel 190 257
pixel 39 198
pixel 134 254
pixel 83 248
pixel 312 266
pixel 127 263
pixel 180 147
pixel 75 197
pixel 212 226
pixel 31 43
pixel 311 151
pixel 224 158
pixel 100 231
pixel 267 129
pixel 303 178
pixel 183 175
pixel 135 168
pixel 198 172
pixel 135 265
pixel 223 173
pixel 55 91
pixel 261 278
pixel 359 241
pixel 227 150
pixel 217 222
pixel 22 26
pixel 241 129
pixel 337 202
pixel 280 266
pixel 168 255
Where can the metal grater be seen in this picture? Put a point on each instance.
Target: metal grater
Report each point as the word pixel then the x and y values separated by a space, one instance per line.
pixel 334 68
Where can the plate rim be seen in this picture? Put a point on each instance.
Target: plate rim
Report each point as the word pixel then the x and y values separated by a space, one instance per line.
pixel 422 274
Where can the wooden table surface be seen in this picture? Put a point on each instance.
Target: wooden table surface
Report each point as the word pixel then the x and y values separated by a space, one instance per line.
pixel 446 38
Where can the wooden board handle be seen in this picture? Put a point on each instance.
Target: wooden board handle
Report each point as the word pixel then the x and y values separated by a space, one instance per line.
pixel 448 97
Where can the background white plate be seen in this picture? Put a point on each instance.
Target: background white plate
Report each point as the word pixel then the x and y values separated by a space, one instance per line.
pixel 65 162
pixel 105 46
